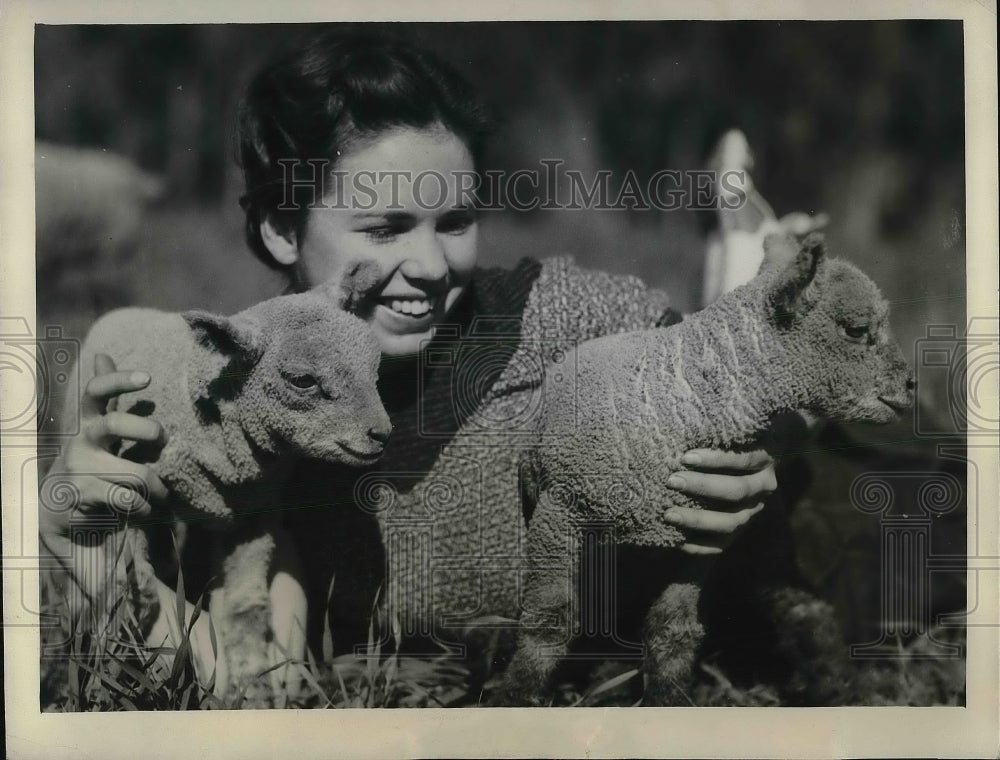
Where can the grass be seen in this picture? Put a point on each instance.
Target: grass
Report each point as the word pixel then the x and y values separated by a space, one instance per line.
pixel 114 670
pixel 111 668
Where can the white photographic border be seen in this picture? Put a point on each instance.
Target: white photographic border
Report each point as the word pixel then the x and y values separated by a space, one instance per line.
pixel 971 731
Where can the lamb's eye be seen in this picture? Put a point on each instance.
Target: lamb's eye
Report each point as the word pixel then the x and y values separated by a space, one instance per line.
pixel 302 381
pixel 855 332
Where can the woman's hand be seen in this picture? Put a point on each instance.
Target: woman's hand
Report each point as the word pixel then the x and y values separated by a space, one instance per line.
pixel 800 224
pixel 88 471
pixel 737 483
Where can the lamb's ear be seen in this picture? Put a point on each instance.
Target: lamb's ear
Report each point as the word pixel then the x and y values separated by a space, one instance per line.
pixel 237 338
pixel 790 283
pixel 357 281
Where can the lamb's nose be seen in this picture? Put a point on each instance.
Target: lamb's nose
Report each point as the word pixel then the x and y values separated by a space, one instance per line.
pixel 911 383
pixel 379 433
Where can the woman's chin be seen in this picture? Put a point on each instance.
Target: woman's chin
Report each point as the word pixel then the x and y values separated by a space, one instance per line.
pixel 401 334
pixel 398 344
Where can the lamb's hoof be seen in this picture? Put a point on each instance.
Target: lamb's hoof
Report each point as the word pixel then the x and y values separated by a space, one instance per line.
pixel 251 695
pixel 670 689
pixel 250 683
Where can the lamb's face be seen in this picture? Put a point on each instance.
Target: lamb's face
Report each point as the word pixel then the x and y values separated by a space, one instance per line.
pixel 845 336
pixel 319 382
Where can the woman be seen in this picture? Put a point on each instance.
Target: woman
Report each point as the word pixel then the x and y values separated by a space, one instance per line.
pixel 341 145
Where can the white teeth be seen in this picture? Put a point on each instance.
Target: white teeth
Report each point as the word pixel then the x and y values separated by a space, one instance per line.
pixel 415 308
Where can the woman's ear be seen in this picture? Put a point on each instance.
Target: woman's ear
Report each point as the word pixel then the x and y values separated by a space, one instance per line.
pixel 280 241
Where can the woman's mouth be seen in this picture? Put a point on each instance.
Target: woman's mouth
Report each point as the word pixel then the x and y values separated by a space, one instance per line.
pixel 406 315
pixel 413 307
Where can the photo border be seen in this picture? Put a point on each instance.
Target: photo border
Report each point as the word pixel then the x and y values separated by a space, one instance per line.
pixel 971 731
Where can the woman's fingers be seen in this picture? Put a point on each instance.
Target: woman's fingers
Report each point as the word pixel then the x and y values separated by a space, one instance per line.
pixel 710 521
pixel 700 549
pixel 103 387
pixel 104 365
pixel 715 459
pixel 708 532
pixel 731 489
pixel 118 472
pixel 800 224
pixel 87 494
pixel 726 476
pixel 112 426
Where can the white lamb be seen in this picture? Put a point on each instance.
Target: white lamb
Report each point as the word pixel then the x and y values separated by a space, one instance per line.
pixel 239 397
pixel 807 333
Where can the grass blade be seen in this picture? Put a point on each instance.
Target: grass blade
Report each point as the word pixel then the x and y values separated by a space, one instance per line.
pixel 343 686
pixel 211 702
pixel 611 683
pixel 327 645
pixel 115 687
pixel 138 675
pixel 180 585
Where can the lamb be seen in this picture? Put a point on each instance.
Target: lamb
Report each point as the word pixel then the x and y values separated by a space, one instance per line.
pixel 295 375
pixel 808 333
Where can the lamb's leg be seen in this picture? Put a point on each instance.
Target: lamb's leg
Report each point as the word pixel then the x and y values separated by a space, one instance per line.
pixel 539 648
pixel 245 616
pixel 673 636
pixel 142 581
pixel 288 617
pixel 810 645
pixel 129 590
pixel 549 606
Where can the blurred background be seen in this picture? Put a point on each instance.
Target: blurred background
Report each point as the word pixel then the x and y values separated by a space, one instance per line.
pixel 862 120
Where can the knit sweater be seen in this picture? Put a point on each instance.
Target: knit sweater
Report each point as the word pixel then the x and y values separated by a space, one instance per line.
pixel 438 525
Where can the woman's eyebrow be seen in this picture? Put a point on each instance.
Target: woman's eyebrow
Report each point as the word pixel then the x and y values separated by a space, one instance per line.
pixel 460 212
pixel 389 216
pixel 404 216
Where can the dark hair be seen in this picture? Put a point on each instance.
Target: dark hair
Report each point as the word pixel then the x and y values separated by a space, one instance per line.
pixel 314 101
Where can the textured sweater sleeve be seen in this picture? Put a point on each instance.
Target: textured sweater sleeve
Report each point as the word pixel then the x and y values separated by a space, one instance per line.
pixel 581 304
pixel 568 304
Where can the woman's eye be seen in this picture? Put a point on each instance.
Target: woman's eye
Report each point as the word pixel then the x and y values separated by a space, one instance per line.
pixel 303 382
pixel 456 224
pixel 855 332
pixel 381 234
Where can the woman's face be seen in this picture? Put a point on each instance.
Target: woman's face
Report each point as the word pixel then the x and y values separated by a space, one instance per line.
pixel 396 201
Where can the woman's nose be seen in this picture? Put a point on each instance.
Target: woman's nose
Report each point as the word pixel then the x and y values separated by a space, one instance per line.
pixel 425 257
